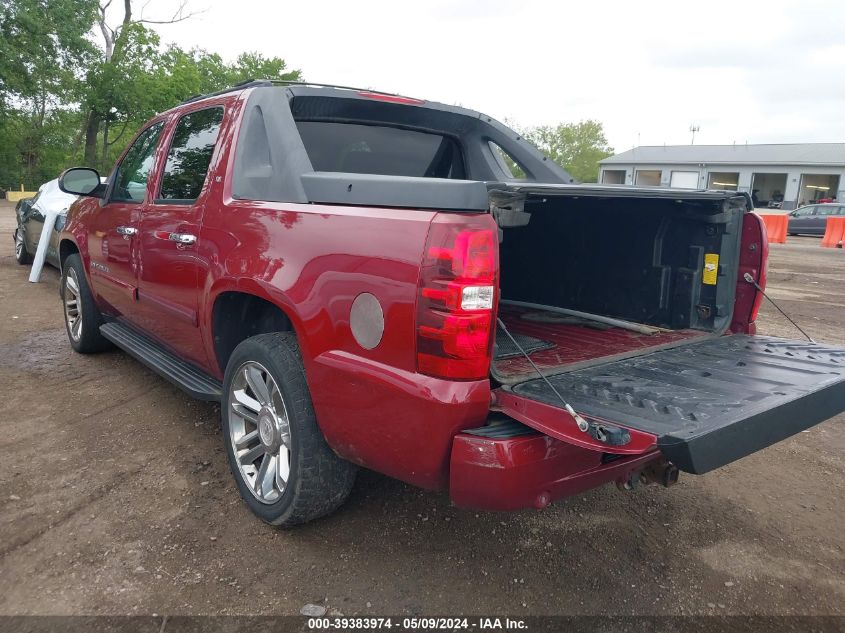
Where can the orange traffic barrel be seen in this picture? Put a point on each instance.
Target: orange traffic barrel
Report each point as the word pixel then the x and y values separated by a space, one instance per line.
pixel 776 224
pixel 835 232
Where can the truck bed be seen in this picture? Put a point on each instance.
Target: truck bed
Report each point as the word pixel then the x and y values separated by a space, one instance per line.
pixel 567 346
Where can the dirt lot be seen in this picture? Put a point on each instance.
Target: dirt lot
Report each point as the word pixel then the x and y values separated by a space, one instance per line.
pixel 115 498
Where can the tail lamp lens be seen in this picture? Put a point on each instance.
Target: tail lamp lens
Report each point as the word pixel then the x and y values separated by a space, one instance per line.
pixel 457 297
pixel 759 234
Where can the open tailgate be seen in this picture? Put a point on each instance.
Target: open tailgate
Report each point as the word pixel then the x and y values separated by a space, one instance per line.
pixel 711 402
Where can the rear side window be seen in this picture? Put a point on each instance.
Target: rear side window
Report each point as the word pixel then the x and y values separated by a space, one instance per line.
pixel 190 155
pixel 383 150
pixel 130 183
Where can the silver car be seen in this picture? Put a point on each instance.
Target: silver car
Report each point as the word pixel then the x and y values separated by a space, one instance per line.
pixel 812 219
pixel 30 215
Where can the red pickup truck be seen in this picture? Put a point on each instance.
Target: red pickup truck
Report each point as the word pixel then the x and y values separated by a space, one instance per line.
pixel 360 279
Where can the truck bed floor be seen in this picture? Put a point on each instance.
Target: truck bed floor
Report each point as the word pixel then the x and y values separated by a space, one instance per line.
pixel 575 346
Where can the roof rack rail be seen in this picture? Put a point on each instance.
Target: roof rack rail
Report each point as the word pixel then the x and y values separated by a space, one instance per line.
pixel 286 82
pixel 247 83
pixel 258 83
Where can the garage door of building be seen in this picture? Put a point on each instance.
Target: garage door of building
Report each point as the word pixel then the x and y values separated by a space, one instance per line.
pixel 685 179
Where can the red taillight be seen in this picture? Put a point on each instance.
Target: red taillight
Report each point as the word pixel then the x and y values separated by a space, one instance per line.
pixel 753 260
pixel 758 298
pixel 457 297
pixel 761 269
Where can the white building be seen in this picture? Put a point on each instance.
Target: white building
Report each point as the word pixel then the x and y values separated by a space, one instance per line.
pixel 797 174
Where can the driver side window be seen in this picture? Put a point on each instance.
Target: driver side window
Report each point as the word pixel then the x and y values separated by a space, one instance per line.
pixel 130 182
pixel 805 212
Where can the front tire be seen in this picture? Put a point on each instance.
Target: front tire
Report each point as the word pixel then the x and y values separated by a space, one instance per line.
pixel 82 318
pixel 22 255
pixel 284 470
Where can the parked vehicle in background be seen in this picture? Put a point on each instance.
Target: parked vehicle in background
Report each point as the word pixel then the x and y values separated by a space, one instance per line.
pixel 361 280
pixel 812 219
pixel 30 214
pixel 22 210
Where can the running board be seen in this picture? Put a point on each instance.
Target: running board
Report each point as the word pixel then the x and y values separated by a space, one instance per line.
pixel 185 376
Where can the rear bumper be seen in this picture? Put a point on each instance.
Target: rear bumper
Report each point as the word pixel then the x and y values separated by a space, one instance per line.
pixel 531 471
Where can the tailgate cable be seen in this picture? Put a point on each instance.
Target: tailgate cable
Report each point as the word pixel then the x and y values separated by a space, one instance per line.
pixel 750 279
pixel 612 435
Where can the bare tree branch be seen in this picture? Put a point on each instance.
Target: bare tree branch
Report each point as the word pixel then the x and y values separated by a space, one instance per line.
pixel 122 130
pixel 111 35
pixel 178 16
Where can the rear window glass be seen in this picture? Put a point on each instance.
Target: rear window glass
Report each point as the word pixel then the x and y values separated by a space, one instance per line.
pixel 383 150
pixel 508 163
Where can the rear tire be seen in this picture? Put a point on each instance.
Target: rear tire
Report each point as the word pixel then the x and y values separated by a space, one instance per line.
pixel 82 318
pixel 283 467
pixel 22 255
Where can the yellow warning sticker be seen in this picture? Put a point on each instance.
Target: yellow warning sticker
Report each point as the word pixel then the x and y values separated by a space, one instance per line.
pixel 711 269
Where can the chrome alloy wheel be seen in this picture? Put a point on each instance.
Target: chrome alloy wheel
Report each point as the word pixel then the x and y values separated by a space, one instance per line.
pixel 19 245
pixel 73 305
pixel 259 431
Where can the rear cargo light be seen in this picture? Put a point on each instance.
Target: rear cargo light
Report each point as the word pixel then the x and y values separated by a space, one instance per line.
pixel 457 297
pixel 378 96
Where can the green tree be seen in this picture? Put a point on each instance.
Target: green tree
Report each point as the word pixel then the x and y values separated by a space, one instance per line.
pixel 66 100
pixel 578 147
pixel 256 66
pixel 44 50
pixel 134 78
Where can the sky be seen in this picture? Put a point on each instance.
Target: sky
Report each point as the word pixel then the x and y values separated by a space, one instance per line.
pixel 742 71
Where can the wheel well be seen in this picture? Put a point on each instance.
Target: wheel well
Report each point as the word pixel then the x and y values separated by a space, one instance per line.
pixel 236 316
pixel 66 248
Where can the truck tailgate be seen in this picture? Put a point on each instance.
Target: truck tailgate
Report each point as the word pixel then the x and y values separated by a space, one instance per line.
pixel 712 402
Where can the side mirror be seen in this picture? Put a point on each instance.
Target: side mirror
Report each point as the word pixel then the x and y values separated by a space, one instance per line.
pixel 82 181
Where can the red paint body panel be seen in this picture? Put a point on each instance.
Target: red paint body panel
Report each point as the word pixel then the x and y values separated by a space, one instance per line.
pixel 528 472
pixel 556 422
pixel 408 419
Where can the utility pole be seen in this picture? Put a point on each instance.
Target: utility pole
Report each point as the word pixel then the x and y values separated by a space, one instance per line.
pixel 693 128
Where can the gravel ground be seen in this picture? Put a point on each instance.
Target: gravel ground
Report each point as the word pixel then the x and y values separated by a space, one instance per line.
pixel 115 498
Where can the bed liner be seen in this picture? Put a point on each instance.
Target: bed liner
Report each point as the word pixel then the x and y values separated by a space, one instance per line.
pixel 577 346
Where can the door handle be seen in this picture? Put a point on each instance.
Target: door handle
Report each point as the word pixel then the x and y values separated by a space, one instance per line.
pixel 179 238
pixel 127 231
pixel 183 238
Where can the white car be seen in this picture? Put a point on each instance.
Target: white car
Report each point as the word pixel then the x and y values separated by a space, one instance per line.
pixel 31 212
